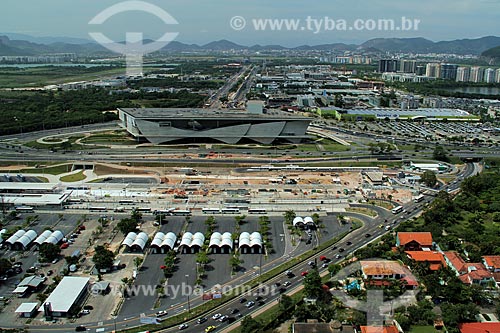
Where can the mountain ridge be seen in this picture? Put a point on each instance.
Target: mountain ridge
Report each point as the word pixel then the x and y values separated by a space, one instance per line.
pixel 12 47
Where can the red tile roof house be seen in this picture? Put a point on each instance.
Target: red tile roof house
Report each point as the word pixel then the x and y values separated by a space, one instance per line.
pixel 377 272
pixel 379 329
pixel 492 263
pixel 468 273
pixel 414 241
pixel 479 328
pixel 435 259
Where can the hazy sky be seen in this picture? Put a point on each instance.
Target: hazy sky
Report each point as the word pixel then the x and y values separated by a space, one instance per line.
pixel 202 21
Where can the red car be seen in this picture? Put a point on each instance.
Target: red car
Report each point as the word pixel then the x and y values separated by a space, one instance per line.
pixel 64 246
pixel 163 267
pixel 323 258
pixel 304 273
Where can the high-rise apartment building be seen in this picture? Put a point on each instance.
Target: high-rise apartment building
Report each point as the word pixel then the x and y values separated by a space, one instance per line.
pixel 408 66
pixel 449 71
pixel 388 65
pixel 433 70
pixel 476 74
pixel 489 75
pixel 463 74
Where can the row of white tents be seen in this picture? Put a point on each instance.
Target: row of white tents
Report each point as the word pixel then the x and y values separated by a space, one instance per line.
pixel 22 239
pixel 302 222
pixel 192 243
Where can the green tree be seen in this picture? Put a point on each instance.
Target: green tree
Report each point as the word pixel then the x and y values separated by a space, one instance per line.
pixel 250 325
pixel 161 218
pixel 453 314
pixel 286 303
pixel 127 225
pixel 202 258
pixel 5 265
pixel 289 215
pixel 429 178
pixel 313 284
pixel 439 154
pixel 49 251
pixel 138 261
pixel 103 258
pixel 338 101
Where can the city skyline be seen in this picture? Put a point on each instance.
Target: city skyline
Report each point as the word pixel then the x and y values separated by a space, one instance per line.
pixel 438 20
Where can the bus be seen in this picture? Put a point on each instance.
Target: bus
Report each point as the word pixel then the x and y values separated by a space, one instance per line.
pixel 98 209
pixel 126 202
pixel 211 210
pixel 143 209
pixel 256 210
pixel 397 210
pixel 419 198
pixel 230 210
pixel 25 209
pixel 163 211
pixel 181 212
pixel 72 201
pixel 77 188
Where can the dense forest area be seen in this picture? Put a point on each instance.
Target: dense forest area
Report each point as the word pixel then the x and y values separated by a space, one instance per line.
pixel 31 111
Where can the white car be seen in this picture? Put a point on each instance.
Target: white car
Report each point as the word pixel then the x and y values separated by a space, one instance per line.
pixel 216 316
pixel 183 326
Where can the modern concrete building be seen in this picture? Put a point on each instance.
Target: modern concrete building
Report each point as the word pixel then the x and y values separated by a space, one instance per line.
pixel 202 125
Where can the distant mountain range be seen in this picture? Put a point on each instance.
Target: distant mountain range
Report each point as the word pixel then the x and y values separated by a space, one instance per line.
pixel 492 55
pixel 17 44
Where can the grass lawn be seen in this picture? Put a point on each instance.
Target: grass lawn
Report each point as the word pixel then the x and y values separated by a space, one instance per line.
pixel 74 177
pixel 381 203
pixel 52 170
pixel 365 211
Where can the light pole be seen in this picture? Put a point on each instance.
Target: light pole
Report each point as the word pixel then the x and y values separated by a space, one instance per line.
pixel 189 304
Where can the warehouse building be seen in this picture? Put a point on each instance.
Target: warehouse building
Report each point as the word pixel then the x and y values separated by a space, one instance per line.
pixel 66 297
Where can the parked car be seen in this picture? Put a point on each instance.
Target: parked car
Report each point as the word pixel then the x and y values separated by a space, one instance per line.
pixel 304 273
pixel 183 326
pixel 223 318
pixel 201 320
pixel 250 304
pixel 210 328
pixel 216 316
pixel 80 328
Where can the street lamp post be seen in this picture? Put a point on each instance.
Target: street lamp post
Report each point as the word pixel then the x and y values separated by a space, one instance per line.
pixel 189 304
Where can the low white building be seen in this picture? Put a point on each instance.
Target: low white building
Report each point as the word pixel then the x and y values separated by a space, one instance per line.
pixel 66 297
